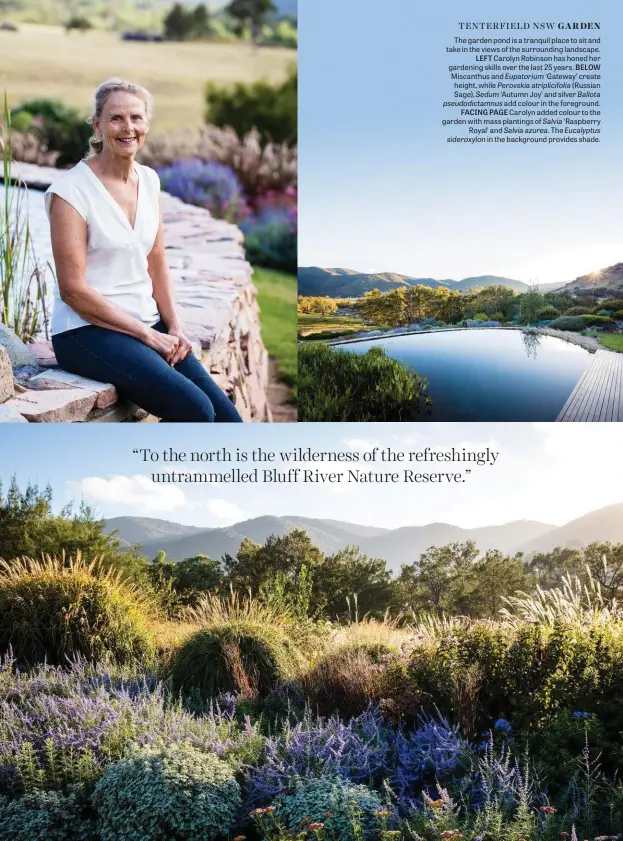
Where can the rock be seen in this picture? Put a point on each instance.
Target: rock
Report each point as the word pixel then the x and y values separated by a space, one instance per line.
pixel 19 353
pixel 67 405
pixel 59 379
pixel 44 354
pixel 7 388
pixel 10 415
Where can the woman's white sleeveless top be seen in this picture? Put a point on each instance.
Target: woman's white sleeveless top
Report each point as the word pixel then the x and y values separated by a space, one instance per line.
pixel 116 265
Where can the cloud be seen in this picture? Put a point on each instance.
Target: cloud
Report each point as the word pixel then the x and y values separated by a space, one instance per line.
pixel 137 492
pixel 364 445
pixel 228 512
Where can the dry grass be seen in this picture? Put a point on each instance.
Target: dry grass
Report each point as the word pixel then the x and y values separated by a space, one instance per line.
pixel 42 61
pixel 374 632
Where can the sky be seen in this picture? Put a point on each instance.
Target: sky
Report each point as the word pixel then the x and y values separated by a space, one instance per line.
pixel 381 190
pixel 548 472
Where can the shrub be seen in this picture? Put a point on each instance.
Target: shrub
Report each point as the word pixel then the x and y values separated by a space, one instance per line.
pixel 259 167
pixel 578 310
pixel 270 239
pixel 607 313
pixel 314 799
pixel 61 128
pixel 547 313
pixel 613 304
pixel 568 322
pixel 271 109
pixel 60 727
pixel 240 656
pixel 530 672
pixel 335 385
pixel 211 185
pixel 55 610
pixel 618 315
pixel 174 792
pixel 596 320
pixel 43 816
pixel 347 679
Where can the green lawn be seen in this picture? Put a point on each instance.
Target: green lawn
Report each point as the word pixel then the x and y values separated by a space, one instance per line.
pixel 612 340
pixel 313 326
pixel 277 300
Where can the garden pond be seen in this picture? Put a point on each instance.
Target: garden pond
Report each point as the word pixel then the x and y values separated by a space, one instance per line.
pixel 488 374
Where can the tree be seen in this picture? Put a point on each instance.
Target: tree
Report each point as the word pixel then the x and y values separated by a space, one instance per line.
pixel 28 527
pixel 530 304
pixel 348 573
pixel 201 24
pixel 250 14
pixel 438 582
pixel 493 578
pixel 178 23
pixel 255 564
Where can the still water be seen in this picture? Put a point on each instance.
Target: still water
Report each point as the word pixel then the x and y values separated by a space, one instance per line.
pixel 489 375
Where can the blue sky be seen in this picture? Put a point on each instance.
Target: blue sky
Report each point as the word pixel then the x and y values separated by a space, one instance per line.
pixel 549 472
pixel 381 190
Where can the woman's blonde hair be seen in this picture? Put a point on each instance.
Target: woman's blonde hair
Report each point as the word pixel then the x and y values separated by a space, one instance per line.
pixel 102 92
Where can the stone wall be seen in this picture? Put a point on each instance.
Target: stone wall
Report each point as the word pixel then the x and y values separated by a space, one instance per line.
pixel 217 303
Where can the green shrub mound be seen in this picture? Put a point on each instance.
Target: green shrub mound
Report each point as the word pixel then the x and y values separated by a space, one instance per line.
pixel 335 385
pixel 55 610
pixel 165 793
pixel 578 310
pixel 271 109
pixel 43 816
pixel 547 313
pixel 618 315
pixel 595 320
pixel 613 304
pixel 314 799
pixel 237 656
pixel 529 673
pixel 575 323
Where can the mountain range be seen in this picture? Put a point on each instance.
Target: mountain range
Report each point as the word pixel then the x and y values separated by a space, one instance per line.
pixel 605 282
pixel 396 546
pixel 348 283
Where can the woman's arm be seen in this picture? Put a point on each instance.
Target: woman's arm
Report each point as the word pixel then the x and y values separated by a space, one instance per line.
pixel 158 269
pixel 69 246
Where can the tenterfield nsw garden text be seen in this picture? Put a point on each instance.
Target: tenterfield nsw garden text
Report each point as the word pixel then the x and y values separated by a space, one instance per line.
pixel 524 82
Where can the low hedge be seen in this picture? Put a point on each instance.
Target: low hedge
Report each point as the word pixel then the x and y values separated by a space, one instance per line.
pixel 596 320
pixel 574 323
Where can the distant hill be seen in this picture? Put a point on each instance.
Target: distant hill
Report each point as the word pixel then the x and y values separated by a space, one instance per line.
pixel 604 525
pixel 608 281
pixel 347 283
pixel 396 546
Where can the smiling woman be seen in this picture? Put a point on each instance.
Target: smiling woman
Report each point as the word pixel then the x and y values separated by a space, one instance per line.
pixel 114 315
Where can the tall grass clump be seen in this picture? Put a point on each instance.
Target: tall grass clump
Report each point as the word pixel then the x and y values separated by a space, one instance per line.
pixel 57 609
pixel 335 385
pixel 22 283
pixel 239 656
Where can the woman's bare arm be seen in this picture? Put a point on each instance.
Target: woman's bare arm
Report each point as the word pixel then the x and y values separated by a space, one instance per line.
pixel 69 246
pixel 162 283
pixel 158 269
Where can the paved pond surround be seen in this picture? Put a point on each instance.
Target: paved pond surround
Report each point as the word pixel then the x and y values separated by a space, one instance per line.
pixel 217 303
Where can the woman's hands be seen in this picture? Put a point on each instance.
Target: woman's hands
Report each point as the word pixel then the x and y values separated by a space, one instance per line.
pixel 172 346
pixel 184 346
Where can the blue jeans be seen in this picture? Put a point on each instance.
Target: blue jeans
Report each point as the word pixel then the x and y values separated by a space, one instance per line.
pixel 184 393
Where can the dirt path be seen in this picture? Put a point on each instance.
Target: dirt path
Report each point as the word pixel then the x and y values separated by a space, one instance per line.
pixel 278 394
